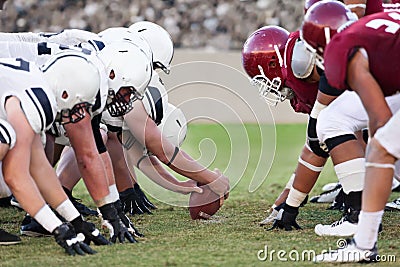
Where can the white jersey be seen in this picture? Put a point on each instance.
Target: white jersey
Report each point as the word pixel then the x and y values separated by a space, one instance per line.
pixel 35 52
pixel 41 52
pixel 65 37
pixel 24 80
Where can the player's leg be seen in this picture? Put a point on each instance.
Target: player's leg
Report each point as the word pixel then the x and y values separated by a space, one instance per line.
pixel 336 127
pixel 382 152
pixel 69 175
pixel 133 202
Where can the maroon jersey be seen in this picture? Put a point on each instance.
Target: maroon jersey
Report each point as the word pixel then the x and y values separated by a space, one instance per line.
pixel 379 35
pixel 373 6
pixel 305 93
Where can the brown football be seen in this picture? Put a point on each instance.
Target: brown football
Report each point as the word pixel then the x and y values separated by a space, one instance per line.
pixel 204 205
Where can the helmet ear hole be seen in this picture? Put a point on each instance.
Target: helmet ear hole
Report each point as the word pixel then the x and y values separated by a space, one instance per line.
pixel 64 94
pixel 112 75
pixel 272 64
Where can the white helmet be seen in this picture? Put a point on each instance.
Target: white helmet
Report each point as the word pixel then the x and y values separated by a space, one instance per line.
pixel 129 71
pixel 160 42
pixel 74 80
pixel 121 33
pixel 173 125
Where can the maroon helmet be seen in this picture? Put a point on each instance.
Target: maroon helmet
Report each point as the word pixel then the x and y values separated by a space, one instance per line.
pixel 321 23
pixel 262 59
pixel 308 4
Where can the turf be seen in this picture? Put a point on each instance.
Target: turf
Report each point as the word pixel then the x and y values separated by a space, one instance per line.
pixel 233 237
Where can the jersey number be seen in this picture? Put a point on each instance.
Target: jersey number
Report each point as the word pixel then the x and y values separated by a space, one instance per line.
pixel 17 64
pixel 391 26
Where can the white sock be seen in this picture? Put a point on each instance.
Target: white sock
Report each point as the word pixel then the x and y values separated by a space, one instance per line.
pixel 68 210
pixel 114 195
pixel 351 174
pixel 367 230
pixel 46 218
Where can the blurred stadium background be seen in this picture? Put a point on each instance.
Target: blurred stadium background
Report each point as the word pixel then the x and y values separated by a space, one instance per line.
pixel 212 24
pixel 212 31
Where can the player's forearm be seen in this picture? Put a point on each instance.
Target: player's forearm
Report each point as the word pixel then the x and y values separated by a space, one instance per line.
pixel 94 176
pixel 152 168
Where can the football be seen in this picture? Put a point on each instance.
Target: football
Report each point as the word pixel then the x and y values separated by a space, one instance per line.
pixel 204 205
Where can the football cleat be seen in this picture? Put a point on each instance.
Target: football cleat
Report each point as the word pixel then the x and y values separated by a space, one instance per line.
pixel 8 239
pixel 5 202
pixel 346 226
pixel 338 203
pixel 393 206
pixel 348 253
pixel 327 196
pixel 33 229
pixel 14 202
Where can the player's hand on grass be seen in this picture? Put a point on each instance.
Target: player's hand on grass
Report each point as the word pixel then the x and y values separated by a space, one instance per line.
pixel 143 197
pixel 113 223
pixel 73 244
pixel 132 203
pixel 90 232
pixel 286 218
pixel 126 221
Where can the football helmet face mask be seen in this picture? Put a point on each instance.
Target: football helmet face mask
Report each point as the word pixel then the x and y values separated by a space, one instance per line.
pixel 129 71
pixel 321 22
pixel 262 59
pixel 160 42
pixel 75 82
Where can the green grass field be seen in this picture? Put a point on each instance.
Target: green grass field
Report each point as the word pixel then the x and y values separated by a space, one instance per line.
pixel 233 237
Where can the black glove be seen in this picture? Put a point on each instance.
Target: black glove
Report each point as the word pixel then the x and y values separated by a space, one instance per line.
pixel 90 232
pixel 286 218
pixel 126 221
pixel 65 236
pixel 312 139
pixel 143 197
pixel 112 221
pixel 132 203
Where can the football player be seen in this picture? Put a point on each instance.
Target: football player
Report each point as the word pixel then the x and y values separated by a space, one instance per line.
pixel 300 73
pixel 282 68
pixel 30 112
pixel 359 56
pixel 112 62
pixel 154 106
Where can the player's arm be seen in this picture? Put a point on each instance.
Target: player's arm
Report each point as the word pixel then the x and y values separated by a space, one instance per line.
pixel 89 162
pixel 17 49
pixel 154 170
pixel 147 133
pixel 364 84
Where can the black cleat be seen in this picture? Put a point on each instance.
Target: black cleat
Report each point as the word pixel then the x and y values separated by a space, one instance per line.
pixel 8 239
pixel 33 228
